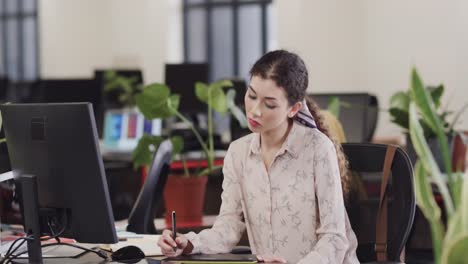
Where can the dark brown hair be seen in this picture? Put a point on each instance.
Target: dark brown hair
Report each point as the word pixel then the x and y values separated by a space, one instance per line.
pixel 288 71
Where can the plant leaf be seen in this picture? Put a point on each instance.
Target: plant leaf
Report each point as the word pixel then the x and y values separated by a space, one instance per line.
pixel 152 101
pixel 429 207
pixel 436 93
pixel 399 117
pixel 464 202
pixel 426 157
pixel 457 252
pixel 457 188
pixel 428 112
pixel 423 100
pixel 173 103
pixel 424 195
pixel 221 84
pixel 400 101
pixel 143 153
pixel 177 145
pixel 201 91
pixel 454 229
pixel 334 106
pixel 234 109
pixel 218 99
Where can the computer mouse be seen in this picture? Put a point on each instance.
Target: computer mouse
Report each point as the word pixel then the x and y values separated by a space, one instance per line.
pixel 128 253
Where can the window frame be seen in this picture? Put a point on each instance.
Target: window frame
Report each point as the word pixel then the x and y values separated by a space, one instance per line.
pixel 208 6
pixel 20 16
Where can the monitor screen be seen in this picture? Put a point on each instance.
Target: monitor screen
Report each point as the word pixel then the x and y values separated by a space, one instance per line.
pixel 240 86
pixel 358 113
pixel 181 79
pixel 68 91
pixel 58 144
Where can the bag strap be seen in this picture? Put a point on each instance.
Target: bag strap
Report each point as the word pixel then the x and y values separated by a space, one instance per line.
pixel 381 223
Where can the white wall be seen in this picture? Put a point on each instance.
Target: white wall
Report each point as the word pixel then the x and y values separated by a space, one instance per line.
pixel 78 36
pixel 73 36
pixel 328 35
pixel 371 46
pixel 429 34
pixel 367 45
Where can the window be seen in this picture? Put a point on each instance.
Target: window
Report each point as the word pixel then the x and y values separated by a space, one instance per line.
pixel 228 34
pixel 19 40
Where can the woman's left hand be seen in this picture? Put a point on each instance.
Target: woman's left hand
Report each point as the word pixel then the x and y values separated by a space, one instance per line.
pixel 270 259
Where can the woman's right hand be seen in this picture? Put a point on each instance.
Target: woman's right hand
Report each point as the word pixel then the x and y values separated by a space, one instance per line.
pixel 171 248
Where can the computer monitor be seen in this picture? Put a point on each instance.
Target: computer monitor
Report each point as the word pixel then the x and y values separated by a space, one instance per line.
pixel 58 144
pixel 68 91
pixel 240 86
pixel 181 79
pixel 358 113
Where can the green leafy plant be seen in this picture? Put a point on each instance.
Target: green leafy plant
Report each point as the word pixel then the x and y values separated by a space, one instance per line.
pixel 399 110
pixel 156 101
pixel 449 242
pixel 125 87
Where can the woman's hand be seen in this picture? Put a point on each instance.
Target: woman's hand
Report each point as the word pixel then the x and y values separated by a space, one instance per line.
pixel 171 248
pixel 270 259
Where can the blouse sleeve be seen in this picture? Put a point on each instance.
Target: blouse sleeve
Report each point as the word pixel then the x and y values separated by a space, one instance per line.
pixel 332 242
pixel 229 225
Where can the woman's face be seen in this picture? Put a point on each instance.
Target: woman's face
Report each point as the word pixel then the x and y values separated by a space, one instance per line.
pixel 266 106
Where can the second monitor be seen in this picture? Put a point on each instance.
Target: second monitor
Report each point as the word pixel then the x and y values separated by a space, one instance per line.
pixel 181 79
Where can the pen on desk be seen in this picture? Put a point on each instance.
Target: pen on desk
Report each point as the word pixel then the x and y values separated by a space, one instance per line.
pixel 174 229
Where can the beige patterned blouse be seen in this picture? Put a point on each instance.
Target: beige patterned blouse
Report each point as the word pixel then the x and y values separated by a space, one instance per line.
pixel 296 211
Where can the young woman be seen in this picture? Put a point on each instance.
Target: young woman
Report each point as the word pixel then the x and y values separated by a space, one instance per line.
pixel 284 183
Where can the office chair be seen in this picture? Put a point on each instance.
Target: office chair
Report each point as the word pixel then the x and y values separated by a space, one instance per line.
pixel 141 219
pixel 366 162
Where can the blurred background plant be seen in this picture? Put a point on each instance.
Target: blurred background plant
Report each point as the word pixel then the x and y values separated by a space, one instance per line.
pixel 123 88
pixel 399 111
pixel 450 240
pixel 157 101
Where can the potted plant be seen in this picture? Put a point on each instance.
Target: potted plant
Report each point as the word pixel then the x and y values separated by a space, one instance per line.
pixel 399 112
pixel 450 241
pixel 185 193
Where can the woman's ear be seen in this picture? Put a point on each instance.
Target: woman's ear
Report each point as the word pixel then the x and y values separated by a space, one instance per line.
pixel 294 109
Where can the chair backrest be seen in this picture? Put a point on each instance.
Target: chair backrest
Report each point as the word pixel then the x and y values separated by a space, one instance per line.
pixel 141 219
pixel 358 114
pixel 366 164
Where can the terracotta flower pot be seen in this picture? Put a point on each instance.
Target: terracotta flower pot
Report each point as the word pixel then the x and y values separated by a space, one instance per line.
pixel 186 196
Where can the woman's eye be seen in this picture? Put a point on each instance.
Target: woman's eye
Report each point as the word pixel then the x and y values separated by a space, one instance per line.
pixel 270 106
pixel 252 97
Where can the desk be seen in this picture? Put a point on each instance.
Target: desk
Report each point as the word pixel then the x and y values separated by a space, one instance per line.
pixel 91 258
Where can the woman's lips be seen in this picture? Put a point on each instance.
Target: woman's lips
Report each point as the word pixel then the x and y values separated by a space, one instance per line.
pixel 253 123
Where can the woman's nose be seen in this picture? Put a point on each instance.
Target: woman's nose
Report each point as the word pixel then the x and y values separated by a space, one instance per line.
pixel 255 110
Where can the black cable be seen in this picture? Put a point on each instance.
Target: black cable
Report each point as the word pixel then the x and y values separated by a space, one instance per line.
pixel 9 254
pixel 86 250
pixel 64 227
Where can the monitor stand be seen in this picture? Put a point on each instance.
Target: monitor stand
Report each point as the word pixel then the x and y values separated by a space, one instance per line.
pixel 31 218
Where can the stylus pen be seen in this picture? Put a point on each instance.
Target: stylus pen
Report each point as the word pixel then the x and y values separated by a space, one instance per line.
pixel 174 229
